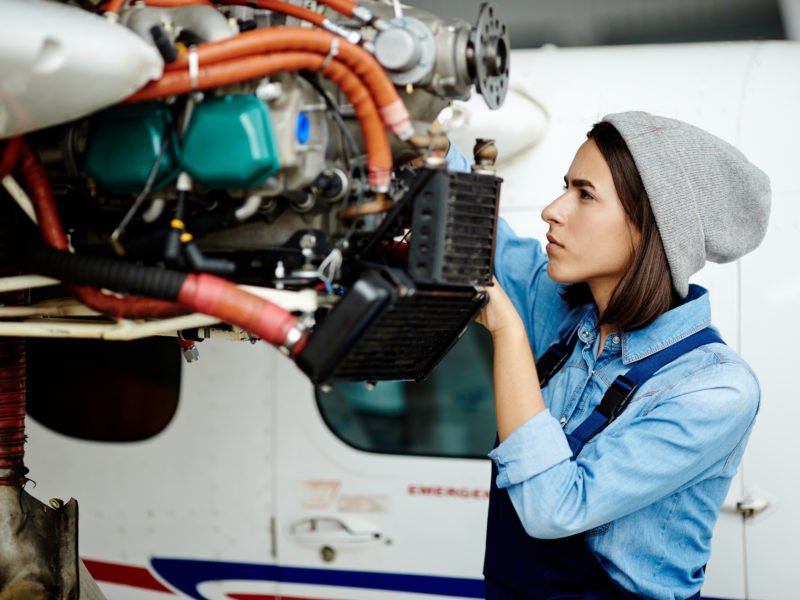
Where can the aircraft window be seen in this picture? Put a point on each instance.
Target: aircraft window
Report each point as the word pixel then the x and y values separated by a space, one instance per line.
pixel 449 414
pixel 102 390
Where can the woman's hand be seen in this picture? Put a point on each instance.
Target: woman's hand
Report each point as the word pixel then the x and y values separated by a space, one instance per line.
pixel 499 314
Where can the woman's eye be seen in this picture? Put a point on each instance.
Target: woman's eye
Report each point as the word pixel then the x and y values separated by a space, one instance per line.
pixel 586 195
pixel 564 187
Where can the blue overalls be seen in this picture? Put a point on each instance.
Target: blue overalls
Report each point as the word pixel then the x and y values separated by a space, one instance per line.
pixel 520 567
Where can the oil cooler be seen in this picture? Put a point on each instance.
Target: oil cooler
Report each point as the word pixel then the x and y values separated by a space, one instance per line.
pixel 397 324
pixel 387 328
pixel 453 229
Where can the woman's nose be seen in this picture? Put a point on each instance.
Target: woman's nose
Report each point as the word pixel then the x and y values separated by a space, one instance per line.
pixel 553 212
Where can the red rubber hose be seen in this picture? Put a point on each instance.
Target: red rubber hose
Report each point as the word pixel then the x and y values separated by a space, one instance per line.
pixel 33 174
pixel 215 296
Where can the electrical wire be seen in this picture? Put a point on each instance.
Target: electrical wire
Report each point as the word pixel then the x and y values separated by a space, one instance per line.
pixel 336 115
pixel 332 264
pixel 356 172
pixel 120 230
pixel 402 240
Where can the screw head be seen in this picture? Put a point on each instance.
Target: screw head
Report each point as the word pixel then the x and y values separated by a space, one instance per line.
pixel 327 553
pixel 308 240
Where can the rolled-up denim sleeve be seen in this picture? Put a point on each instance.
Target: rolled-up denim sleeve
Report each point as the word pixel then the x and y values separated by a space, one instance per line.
pixel 531 449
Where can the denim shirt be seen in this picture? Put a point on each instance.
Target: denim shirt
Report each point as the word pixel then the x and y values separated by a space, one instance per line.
pixel 646 490
pixel 456 161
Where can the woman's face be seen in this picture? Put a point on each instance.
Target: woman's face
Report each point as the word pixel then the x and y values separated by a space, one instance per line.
pixel 590 238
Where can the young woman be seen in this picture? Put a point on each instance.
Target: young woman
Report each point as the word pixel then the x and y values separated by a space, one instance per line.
pixel 608 487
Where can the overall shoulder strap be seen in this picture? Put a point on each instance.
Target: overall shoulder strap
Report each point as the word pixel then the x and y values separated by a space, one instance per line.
pixel 622 389
pixel 555 356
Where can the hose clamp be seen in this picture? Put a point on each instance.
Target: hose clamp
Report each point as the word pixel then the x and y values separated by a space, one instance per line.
pixel 332 53
pixel 194 67
pixel 293 338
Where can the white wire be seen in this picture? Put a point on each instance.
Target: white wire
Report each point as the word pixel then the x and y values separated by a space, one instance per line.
pixel 20 197
pixel 330 266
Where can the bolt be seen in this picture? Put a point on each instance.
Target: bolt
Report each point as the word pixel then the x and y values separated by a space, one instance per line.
pixel 280 273
pixel 308 240
pixel 191 353
pixel 327 553
pixel 303 203
pixel 269 91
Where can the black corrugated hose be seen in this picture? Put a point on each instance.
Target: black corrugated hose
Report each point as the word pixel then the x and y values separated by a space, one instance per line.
pixel 113 274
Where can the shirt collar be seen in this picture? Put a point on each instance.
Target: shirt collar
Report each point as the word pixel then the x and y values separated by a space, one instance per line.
pixel 671 327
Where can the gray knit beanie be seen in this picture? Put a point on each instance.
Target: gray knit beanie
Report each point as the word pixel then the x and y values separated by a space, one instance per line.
pixel 709 201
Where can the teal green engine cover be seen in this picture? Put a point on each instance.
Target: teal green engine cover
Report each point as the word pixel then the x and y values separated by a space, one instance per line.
pixel 125 143
pixel 229 143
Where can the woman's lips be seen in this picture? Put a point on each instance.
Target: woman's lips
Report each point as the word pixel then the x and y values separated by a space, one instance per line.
pixel 553 243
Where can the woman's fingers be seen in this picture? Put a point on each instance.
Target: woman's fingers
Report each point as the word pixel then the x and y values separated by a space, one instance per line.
pixel 499 312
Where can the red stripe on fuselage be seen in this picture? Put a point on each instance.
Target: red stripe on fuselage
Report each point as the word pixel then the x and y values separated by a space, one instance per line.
pixel 139 577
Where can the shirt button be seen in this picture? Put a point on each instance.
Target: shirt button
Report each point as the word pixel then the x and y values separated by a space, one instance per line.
pixel 563 420
pixel 585 333
pixel 615 339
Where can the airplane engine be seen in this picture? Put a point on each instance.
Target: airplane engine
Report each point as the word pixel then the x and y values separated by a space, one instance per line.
pixel 272 164
pixel 248 169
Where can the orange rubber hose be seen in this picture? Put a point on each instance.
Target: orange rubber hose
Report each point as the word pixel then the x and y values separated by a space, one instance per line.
pixel 171 3
pixel 391 108
pixel 341 6
pixel 114 6
pixel 282 7
pixel 379 155
pixel 344 7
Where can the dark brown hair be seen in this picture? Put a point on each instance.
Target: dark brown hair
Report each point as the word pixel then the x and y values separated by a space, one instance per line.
pixel 645 291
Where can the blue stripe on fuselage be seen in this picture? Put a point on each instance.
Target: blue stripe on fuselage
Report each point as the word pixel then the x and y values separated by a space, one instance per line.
pixel 187 574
